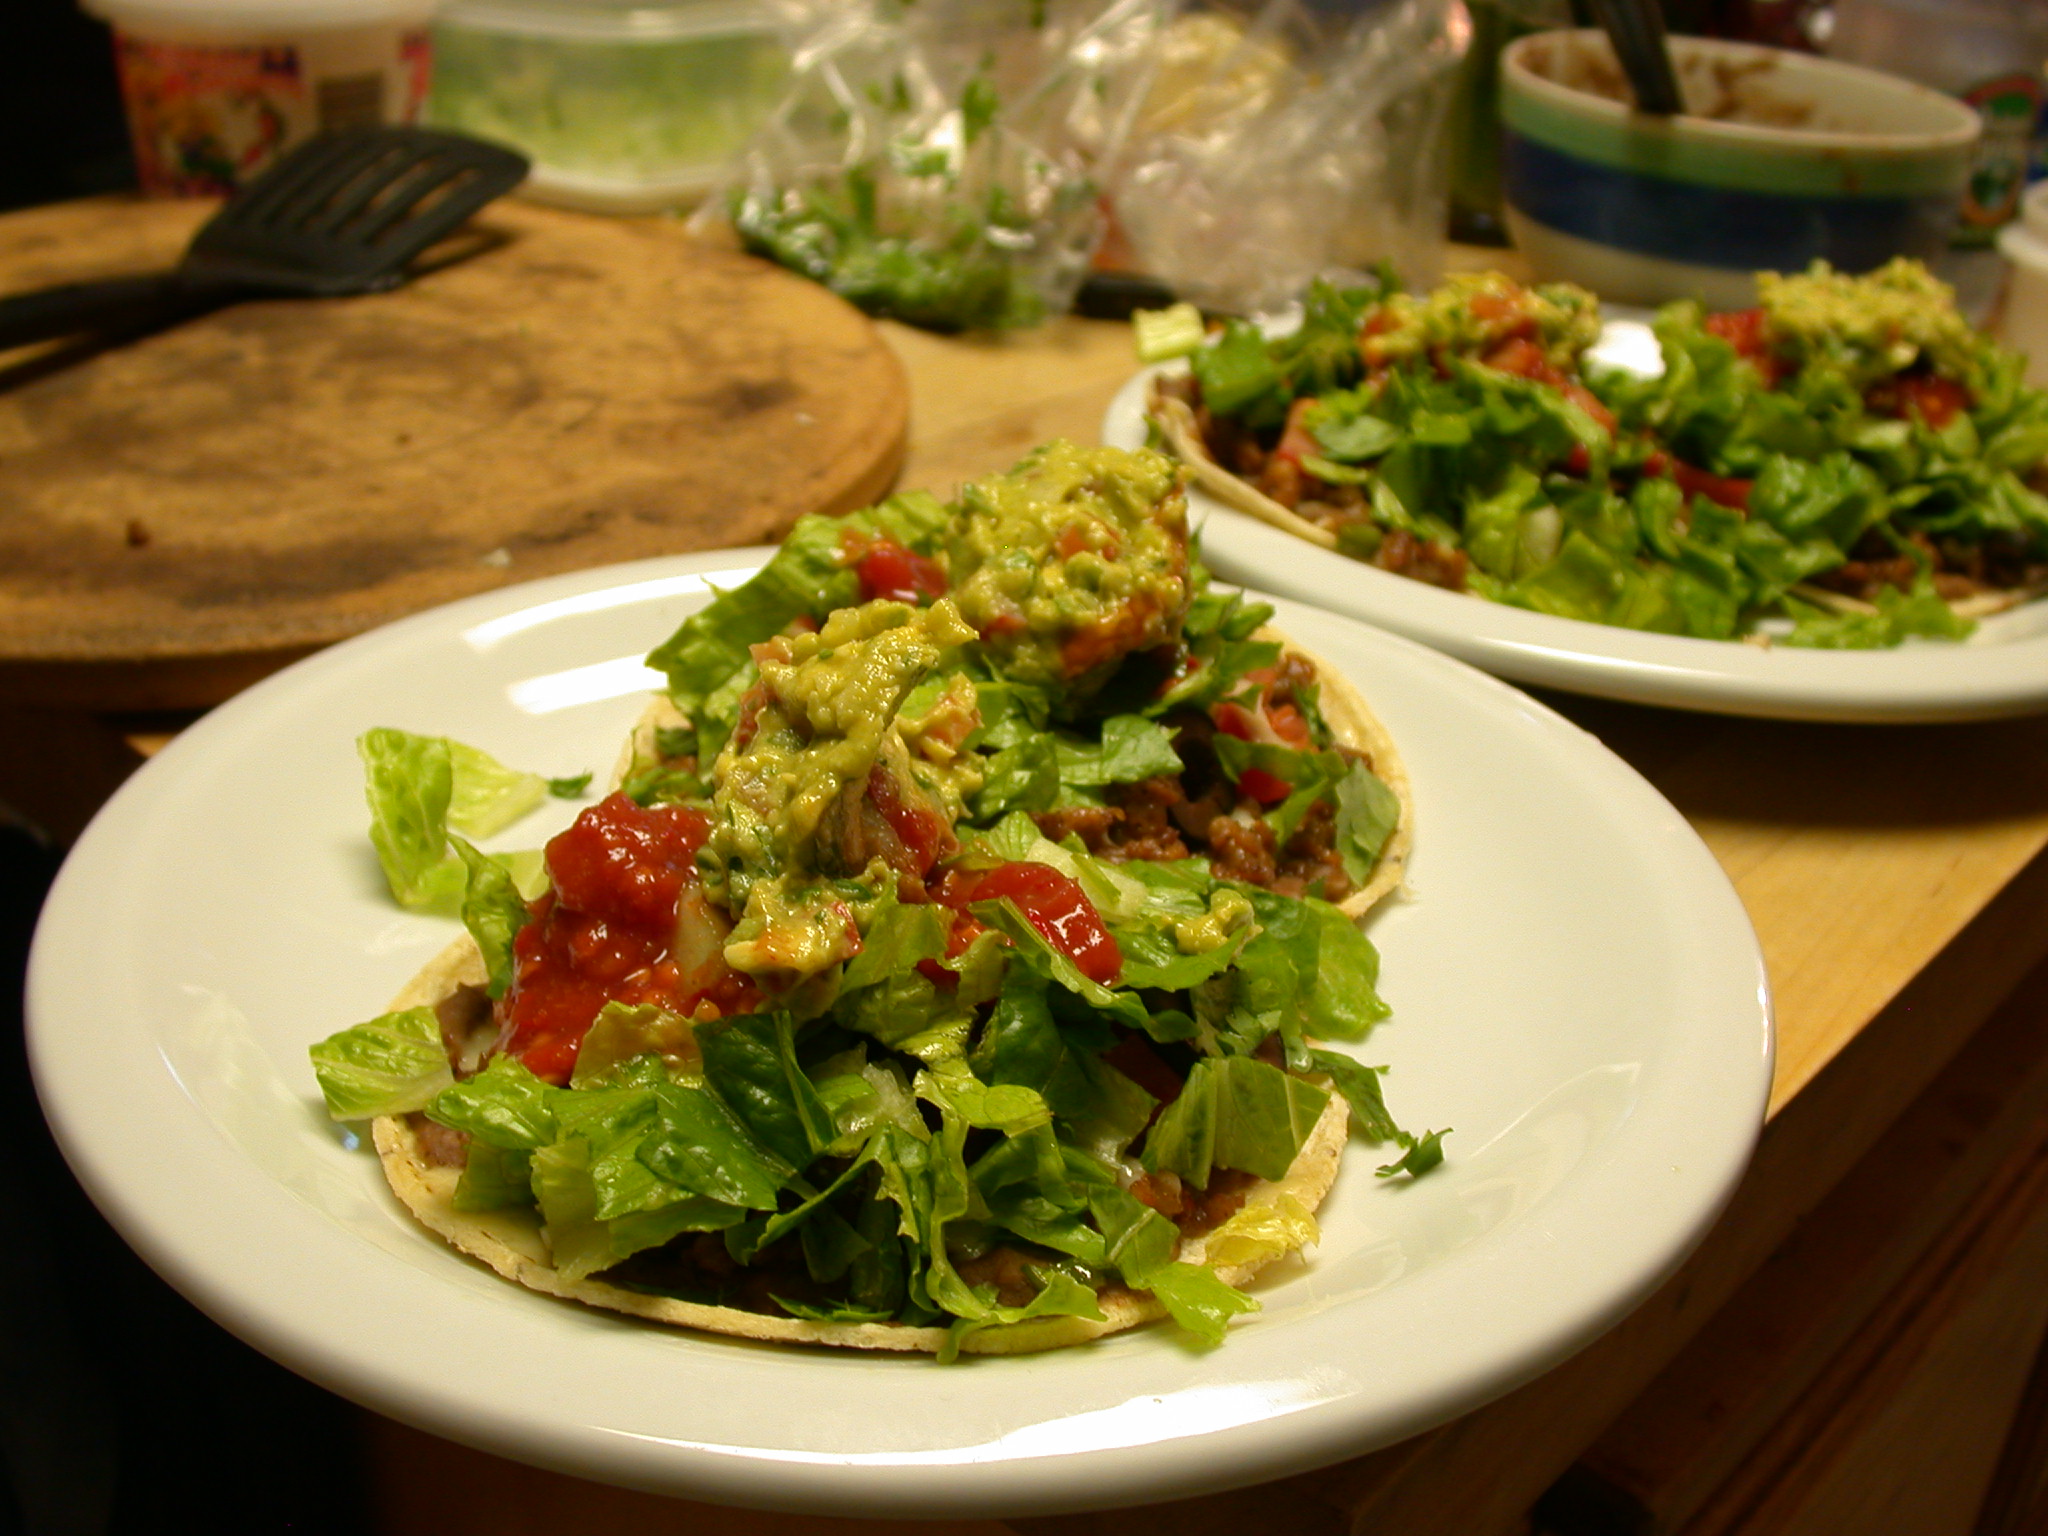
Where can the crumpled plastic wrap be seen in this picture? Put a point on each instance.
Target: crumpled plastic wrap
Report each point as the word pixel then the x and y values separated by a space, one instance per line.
pixel 1282 140
pixel 941 161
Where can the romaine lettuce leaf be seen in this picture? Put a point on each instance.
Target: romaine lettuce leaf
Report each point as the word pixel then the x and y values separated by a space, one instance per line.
pixel 808 576
pixel 392 1065
pixel 750 1062
pixel 493 911
pixel 1234 1112
pixel 420 786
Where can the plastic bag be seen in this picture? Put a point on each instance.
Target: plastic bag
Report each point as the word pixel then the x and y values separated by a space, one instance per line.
pixel 940 161
pixel 1282 141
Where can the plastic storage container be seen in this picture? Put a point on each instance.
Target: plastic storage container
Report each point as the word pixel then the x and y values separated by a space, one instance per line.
pixel 2022 320
pixel 217 89
pixel 622 107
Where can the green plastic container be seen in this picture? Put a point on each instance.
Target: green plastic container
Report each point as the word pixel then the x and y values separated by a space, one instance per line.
pixel 623 108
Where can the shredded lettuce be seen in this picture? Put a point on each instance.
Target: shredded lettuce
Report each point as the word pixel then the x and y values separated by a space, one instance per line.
pixel 418 788
pixel 390 1066
pixel 1557 513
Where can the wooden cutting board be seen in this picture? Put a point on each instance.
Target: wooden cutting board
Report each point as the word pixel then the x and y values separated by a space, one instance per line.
pixel 182 513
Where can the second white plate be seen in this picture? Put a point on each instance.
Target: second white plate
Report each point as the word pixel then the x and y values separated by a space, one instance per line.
pixel 2001 670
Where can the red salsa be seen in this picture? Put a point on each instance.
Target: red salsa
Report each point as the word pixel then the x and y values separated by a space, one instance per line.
pixel 608 931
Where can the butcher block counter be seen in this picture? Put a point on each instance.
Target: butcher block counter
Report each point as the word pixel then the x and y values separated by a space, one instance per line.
pixel 1853 1347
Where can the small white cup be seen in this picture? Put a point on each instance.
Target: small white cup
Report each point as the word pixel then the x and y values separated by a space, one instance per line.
pixel 217 89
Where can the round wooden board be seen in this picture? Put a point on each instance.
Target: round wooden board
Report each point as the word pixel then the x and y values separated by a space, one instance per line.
pixel 186 511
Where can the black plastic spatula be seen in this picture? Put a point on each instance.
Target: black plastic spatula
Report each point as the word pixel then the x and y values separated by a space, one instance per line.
pixel 343 213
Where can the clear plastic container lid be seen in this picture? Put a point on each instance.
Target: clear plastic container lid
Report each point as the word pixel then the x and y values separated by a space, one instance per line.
pixel 269 17
pixel 610 20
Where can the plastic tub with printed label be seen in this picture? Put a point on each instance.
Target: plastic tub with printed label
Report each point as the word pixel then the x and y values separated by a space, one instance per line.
pixel 217 89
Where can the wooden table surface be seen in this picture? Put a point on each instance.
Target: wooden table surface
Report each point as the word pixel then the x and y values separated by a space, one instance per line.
pixel 1895 876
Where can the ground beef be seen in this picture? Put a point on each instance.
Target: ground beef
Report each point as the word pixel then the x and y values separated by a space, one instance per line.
pixel 1003 1267
pixel 1422 560
pixel 1310 862
pixel 467 1027
pixel 440 1146
pixel 1242 850
pixel 1199 812
pixel 697 1267
pixel 1283 480
pixel 1135 825
pixel 1091 823
pixel 1146 831
pixel 1207 1209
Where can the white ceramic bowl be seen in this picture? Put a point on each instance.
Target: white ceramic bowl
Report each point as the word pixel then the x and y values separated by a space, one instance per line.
pixel 1861 167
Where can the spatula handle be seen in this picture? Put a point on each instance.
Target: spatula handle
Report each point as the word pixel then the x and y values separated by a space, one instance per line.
pixel 113 304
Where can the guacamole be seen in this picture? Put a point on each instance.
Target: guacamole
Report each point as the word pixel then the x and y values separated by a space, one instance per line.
pixel 1871 326
pixel 1475 311
pixel 824 718
pixel 1073 560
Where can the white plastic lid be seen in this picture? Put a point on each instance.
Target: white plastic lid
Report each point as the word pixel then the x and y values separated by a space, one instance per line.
pixel 269 17
pixel 2034 210
pixel 611 20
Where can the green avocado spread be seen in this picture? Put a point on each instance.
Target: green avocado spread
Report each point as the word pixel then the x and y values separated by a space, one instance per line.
pixel 1072 560
pixel 1474 311
pixel 1870 326
pixel 826 716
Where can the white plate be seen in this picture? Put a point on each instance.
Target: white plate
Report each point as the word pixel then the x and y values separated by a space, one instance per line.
pixel 2001 670
pixel 1576 990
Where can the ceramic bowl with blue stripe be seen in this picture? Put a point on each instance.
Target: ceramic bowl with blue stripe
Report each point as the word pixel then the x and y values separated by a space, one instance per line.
pixel 1794 158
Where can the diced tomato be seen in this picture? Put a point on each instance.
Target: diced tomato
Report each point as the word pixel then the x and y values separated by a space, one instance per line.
pixel 1264 787
pixel 1590 403
pixel 888 570
pixel 1727 490
pixel 609 931
pixel 923 831
pixel 1296 441
pixel 1053 904
pixel 1073 539
pixel 1235 720
pixel 1578 461
pixel 749 720
pixel 1936 401
pixel 1497 306
pixel 965 930
pixel 1287 720
pixel 1521 357
pixel 627 863
pixel 1284 718
pixel 1748 332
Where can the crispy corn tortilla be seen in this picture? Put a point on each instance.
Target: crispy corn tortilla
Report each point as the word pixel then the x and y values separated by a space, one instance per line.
pixel 1358 728
pixel 1175 420
pixel 514 1244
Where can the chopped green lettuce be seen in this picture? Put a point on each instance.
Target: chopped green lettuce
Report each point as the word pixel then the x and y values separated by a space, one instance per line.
pixel 390 1066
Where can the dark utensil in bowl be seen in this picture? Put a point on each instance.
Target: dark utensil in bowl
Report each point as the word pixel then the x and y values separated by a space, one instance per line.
pixel 343 213
pixel 1636 28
